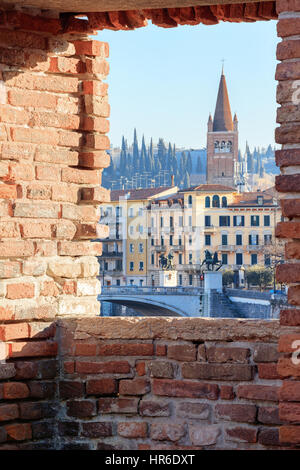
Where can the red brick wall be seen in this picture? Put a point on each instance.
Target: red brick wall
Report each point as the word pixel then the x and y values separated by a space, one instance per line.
pixel 168 384
pixel 288 183
pixel 53 121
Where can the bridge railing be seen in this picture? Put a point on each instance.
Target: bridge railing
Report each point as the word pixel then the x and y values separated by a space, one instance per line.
pixel 137 290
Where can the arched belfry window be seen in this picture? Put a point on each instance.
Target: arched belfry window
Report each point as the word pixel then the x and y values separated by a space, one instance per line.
pixel 216 201
pixel 207 201
pixel 224 201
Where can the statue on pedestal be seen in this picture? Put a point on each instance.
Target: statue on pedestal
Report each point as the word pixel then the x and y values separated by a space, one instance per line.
pixel 212 262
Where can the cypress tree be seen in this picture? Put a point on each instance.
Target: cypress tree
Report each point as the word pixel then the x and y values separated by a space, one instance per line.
pixel 170 157
pixel 183 161
pixel 162 153
pixel 143 157
pixel 186 181
pixel 199 165
pixel 123 158
pixel 189 164
pixel 135 153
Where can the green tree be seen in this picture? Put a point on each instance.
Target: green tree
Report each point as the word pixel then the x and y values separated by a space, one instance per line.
pixel 162 153
pixel 189 164
pixel 227 277
pixel 199 164
pixel 259 276
pixel 135 153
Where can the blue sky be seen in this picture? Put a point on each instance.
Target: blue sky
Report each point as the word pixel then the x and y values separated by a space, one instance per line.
pixel 164 82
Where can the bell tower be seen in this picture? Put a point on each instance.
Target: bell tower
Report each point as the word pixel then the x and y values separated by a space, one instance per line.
pixel 222 141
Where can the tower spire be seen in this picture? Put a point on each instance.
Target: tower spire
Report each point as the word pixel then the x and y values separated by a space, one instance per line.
pixel 222 118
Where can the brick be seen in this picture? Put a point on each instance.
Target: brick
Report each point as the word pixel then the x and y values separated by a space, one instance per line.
pixel 94 87
pixel 101 387
pixel 31 99
pixel 64 269
pixel 154 408
pixel 91 230
pixel 71 389
pixel 292 250
pixel 268 371
pixel 182 352
pixel 47 173
pixel 287 71
pixel 161 369
pixel 92 48
pixel 9 230
pixel 287 157
pixel 18 432
pixel 288 27
pixel 185 388
pixel 287 183
pixel 3 435
pixel 8 191
pixel 205 435
pixel 14 331
pixel 45 248
pixel 118 405
pixel 9 412
pixel 193 410
pixel 289 412
pixel 68 428
pixel 33 349
pixel 70 139
pixel 140 368
pixel 138 386
pixel 258 392
pixel 79 176
pixel 227 392
pixel 263 352
pixel 288 343
pixel 48 369
pixel 126 349
pixel 49 288
pixel 269 437
pixel 288 229
pixel 236 412
pixel 94 160
pixel 15 390
pixel 167 432
pixel 113 367
pixel 33 229
pixel 34 268
pixel 81 408
pixel 241 434
pixel 97 124
pixel 7 371
pixel 13 115
pixel 95 195
pixel 34 136
pixel 20 290
pixel 21 172
pixel 97 142
pixel 17 151
pixel 96 429
pixel 132 430
pixel 294 295
pixel 290 391
pixel 268 415
pixel 84 213
pixel 289 434
pixel 97 105
pixel 31 410
pixel 290 207
pixel 27 81
pixel 33 312
pixel 217 371
pixel 227 354
pixel 26 370
pixel 37 210
pixel 64 230
pixel 7 312
pixel 287 5
pixel 43 430
pixel 47 154
pixel 69 367
pixel 9 269
pixel 38 191
pixel 84 248
pixel 288 49
pixel 161 350
pixel 41 389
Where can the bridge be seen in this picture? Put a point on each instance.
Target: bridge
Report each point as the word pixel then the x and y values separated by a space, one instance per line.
pixel 194 301
pixel 157 301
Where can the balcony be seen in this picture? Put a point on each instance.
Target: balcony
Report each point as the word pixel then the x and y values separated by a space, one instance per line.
pixel 160 248
pixel 111 272
pixel 189 267
pixel 226 248
pixel 209 228
pixel 177 247
pixel 254 247
pixel 112 254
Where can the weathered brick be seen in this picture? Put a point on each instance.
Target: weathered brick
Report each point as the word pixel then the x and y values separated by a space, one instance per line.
pixel 16 249
pixel 112 367
pixel 288 273
pixel 33 349
pixel 68 428
pixel 94 160
pixel 138 386
pixel 14 331
pixel 81 408
pixel 182 352
pixel 236 412
pixel 227 354
pixel 15 390
pixel 289 412
pixel 132 430
pixel 92 48
pixel 193 410
pixel 7 371
pixel 101 387
pixel 154 408
pixel 184 388
pixel 9 412
pixel 41 389
pixel 258 392
pixel 204 435
pixel 95 195
pixel 31 410
pixel 264 352
pixel 38 191
pixel 227 392
pixel 79 176
pixel 26 370
pixel 118 405
pixel 20 290
pixel 126 349
pixel 268 437
pixel 294 295
pixel 217 371
pixel 167 432
pixel 241 434
pixel 18 432
pixel 96 429
pixel 268 371
pixel 290 391
pixel 292 250
pixel 289 434
pixel 71 389
pixel 37 210
pixel 161 369
pixel 268 415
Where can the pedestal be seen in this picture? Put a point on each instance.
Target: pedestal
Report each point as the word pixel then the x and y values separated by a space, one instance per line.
pixel 168 278
pixel 213 281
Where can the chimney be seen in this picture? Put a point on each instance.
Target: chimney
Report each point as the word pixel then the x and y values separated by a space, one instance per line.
pixel 172 180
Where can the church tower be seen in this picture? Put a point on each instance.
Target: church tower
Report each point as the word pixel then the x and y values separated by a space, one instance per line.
pixel 222 141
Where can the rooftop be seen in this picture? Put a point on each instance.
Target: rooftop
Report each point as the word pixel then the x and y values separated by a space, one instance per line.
pixel 139 194
pixel 209 188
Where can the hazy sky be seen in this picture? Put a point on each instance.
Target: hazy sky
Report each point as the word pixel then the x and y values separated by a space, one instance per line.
pixel 164 82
